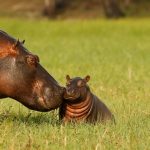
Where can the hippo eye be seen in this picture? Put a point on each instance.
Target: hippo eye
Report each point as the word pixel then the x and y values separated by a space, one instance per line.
pixel 20 62
pixel 80 83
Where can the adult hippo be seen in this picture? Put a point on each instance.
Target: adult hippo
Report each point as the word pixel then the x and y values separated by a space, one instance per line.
pixel 24 79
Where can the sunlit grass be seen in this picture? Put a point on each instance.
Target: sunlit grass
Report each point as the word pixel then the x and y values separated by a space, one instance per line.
pixel 116 54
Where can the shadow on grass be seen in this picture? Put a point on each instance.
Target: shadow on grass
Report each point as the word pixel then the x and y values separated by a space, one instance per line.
pixel 42 119
pixel 30 119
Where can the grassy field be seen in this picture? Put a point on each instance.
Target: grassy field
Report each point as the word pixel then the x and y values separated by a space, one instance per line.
pixel 117 56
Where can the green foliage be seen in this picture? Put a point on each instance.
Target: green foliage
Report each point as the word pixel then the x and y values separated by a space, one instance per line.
pixel 115 54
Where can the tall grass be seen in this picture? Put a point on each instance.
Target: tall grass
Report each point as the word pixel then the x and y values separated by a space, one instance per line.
pixel 116 54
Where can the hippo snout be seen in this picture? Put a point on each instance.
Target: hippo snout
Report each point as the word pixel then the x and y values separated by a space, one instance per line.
pixel 53 98
pixel 54 92
pixel 69 92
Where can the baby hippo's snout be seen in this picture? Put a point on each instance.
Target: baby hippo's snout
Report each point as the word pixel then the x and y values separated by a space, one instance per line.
pixel 69 91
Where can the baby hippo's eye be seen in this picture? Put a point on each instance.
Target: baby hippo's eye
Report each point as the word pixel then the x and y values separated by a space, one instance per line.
pixel 80 83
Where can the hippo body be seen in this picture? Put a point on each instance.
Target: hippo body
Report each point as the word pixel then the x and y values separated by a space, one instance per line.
pixel 80 104
pixel 23 78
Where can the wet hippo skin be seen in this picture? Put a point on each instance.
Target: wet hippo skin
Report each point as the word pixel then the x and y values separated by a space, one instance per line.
pixel 23 78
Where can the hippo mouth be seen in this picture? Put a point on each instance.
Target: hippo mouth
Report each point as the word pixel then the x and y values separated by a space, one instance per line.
pixel 42 104
pixel 71 97
pixel 54 102
pixel 46 100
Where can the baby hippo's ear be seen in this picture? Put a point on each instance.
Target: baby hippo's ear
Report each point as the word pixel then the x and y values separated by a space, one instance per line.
pixel 68 78
pixel 87 78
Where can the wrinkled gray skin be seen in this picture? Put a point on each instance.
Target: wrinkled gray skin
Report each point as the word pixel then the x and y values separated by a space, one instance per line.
pixel 24 79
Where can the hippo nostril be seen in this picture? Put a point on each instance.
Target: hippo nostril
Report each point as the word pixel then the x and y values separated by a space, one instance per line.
pixel 47 92
pixel 72 91
pixel 68 91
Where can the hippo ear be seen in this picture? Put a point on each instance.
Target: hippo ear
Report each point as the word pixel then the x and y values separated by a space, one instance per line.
pixel 23 42
pixel 68 78
pixel 16 44
pixel 87 78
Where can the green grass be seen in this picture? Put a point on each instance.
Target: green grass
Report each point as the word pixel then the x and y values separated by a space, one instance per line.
pixel 117 56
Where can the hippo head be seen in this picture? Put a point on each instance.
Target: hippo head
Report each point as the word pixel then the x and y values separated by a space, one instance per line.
pixel 76 88
pixel 24 79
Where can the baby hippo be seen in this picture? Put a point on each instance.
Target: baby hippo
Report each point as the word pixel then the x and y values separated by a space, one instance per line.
pixel 80 104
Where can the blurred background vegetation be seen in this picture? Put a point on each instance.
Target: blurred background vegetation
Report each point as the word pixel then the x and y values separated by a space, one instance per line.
pixel 62 9
pixel 114 52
